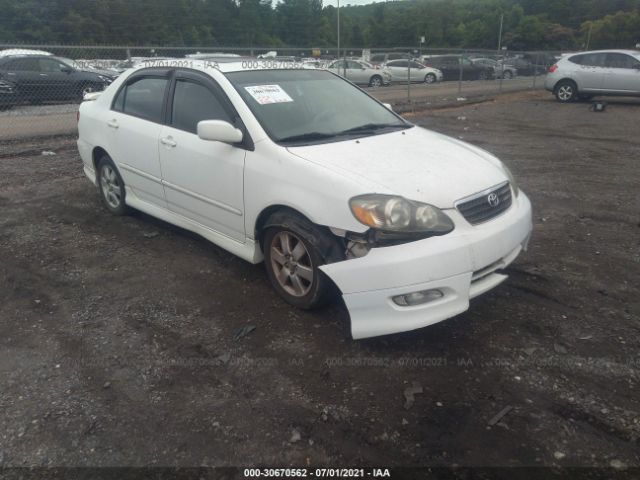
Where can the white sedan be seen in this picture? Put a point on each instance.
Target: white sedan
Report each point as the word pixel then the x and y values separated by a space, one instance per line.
pixel 400 71
pixel 361 73
pixel 305 171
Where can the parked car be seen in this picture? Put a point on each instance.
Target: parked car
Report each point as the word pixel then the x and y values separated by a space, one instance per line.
pixel 400 71
pixel 304 170
pixel 360 74
pixel 602 72
pixel 451 67
pixel 529 64
pixel 382 58
pixel 45 77
pixel 501 69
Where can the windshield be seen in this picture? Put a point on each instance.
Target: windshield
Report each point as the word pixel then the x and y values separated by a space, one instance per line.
pixel 311 106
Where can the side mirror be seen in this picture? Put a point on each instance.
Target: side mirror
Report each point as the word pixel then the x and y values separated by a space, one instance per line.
pixel 219 131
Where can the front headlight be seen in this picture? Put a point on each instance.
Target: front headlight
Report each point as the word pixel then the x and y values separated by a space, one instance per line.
pixel 512 181
pixel 397 214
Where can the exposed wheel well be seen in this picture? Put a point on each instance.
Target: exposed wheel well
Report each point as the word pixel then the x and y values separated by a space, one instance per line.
pixel 264 216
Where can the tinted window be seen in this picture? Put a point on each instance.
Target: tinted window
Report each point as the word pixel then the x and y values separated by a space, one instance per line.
pixel 353 65
pixel 50 65
pixel 577 59
pixel 398 63
pixel 24 65
pixel 593 59
pixel 193 102
pixel 118 103
pixel 144 97
pixel 620 60
pixel 415 65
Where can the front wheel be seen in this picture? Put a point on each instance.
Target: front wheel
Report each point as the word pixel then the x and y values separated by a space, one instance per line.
pixel 375 81
pixel 566 92
pixel 507 75
pixel 292 260
pixel 430 78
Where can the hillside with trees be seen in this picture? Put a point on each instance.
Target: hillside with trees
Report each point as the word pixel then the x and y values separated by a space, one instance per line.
pixel 528 24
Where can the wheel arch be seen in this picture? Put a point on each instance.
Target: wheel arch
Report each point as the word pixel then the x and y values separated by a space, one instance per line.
pixel 276 215
pixel 566 80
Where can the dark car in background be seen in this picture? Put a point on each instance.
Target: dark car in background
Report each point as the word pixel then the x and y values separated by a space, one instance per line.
pixel 40 78
pixel 501 69
pixel 452 66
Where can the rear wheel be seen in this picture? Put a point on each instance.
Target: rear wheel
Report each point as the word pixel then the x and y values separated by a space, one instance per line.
pixel 483 75
pixel 375 81
pixel 507 75
pixel 566 91
pixel 430 78
pixel 111 187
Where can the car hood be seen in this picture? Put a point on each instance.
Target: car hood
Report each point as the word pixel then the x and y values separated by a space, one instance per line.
pixel 416 163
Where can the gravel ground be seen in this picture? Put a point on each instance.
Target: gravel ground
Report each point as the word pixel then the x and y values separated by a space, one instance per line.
pixel 117 334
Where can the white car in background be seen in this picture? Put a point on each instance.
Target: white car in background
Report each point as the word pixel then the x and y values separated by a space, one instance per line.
pixel 303 170
pixel 360 73
pixel 401 69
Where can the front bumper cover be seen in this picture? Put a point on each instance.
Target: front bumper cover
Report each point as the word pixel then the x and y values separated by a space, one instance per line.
pixel 462 265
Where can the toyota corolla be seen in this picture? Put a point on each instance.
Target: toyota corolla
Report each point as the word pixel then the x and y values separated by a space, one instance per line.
pixel 302 170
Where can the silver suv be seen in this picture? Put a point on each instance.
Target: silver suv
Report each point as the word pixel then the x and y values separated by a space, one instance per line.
pixel 604 72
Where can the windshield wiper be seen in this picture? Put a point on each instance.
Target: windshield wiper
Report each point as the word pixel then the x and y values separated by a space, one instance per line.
pixel 308 136
pixel 372 127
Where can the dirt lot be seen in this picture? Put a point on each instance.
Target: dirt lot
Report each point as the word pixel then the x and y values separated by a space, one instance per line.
pixel 117 334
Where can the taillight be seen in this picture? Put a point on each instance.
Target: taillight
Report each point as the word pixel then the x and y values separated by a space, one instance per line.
pixel 553 68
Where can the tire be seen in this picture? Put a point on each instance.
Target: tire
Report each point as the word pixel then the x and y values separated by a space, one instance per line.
pixel 375 81
pixel 294 249
pixel 430 78
pixel 507 75
pixel 566 91
pixel 111 187
pixel 483 75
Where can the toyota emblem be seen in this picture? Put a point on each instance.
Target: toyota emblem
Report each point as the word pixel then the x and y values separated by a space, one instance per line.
pixel 493 199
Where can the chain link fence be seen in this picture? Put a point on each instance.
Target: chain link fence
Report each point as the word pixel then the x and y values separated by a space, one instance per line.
pixel 41 86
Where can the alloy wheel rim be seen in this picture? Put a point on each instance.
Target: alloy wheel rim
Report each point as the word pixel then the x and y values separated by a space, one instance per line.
pixel 111 189
pixel 430 78
pixel 376 82
pixel 565 92
pixel 291 264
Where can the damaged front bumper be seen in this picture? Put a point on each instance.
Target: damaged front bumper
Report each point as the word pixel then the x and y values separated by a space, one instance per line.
pixel 460 265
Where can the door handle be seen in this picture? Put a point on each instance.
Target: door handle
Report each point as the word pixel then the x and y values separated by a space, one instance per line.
pixel 113 124
pixel 44 75
pixel 168 141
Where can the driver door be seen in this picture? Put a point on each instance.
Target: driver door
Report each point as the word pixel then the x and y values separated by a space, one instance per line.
pixel 203 180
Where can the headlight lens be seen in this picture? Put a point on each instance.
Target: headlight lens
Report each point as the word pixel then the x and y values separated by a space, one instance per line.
pixel 397 214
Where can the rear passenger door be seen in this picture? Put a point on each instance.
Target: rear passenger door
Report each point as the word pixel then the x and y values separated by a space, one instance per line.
pixel 590 71
pixel 132 128
pixel 622 73
pixel 203 180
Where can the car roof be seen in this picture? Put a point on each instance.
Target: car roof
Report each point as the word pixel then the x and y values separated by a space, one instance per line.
pixel 609 50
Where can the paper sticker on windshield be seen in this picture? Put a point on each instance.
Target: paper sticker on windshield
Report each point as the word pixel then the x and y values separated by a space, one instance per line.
pixel 267 94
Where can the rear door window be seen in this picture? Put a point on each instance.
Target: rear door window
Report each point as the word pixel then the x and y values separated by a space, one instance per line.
pixel 143 98
pixel 593 59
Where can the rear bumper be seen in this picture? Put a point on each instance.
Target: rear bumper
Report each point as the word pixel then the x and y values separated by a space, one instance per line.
pixel 461 265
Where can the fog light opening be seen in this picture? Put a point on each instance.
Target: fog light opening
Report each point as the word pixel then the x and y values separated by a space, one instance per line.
pixel 417 298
